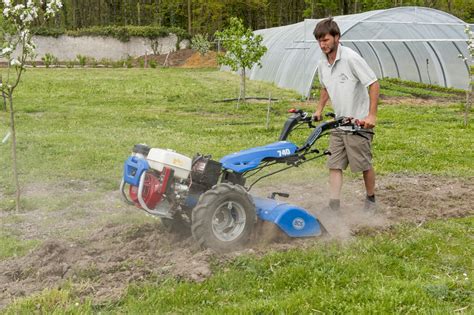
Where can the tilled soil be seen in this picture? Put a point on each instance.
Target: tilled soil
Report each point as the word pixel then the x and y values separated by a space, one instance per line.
pixel 102 261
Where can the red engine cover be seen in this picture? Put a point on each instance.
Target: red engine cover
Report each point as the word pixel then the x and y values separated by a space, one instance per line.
pixel 153 189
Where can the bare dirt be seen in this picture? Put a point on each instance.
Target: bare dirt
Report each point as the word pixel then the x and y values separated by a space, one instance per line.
pixel 185 58
pixel 429 101
pixel 110 251
pixel 400 100
pixel 208 60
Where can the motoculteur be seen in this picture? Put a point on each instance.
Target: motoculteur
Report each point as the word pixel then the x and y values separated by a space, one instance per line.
pixel 211 197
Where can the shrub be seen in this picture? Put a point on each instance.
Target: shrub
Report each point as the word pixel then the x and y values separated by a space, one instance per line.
pixel 106 62
pixel 200 44
pixel 49 59
pixel 118 64
pixel 93 62
pixel 82 60
pixel 70 63
pixel 129 62
pixel 153 64
pixel 47 31
pixel 122 33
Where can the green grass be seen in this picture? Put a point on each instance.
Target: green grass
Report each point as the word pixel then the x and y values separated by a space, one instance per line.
pixel 396 87
pixel 425 269
pixel 82 123
pixel 11 246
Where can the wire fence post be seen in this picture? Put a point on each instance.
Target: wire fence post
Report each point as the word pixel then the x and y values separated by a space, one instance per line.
pixel 267 125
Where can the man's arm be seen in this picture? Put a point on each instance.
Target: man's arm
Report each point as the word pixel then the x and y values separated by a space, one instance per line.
pixel 374 89
pixel 323 99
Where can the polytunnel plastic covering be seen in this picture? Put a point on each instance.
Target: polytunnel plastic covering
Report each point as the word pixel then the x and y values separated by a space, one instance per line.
pixel 410 43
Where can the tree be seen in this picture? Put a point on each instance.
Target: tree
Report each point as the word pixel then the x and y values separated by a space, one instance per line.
pixel 243 48
pixel 16 35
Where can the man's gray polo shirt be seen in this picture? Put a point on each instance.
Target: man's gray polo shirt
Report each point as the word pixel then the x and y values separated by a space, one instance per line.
pixel 346 81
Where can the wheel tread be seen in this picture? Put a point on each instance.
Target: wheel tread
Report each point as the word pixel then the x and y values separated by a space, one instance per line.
pixel 198 226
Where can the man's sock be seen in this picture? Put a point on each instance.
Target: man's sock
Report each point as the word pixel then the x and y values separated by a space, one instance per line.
pixel 371 198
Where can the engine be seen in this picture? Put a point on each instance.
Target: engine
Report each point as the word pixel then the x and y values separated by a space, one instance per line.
pixel 161 181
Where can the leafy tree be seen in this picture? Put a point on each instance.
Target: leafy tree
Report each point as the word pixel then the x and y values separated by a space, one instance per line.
pixel 243 48
pixel 16 36
pixel 207 16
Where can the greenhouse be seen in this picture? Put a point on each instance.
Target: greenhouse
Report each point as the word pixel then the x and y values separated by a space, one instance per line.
pixel 409 43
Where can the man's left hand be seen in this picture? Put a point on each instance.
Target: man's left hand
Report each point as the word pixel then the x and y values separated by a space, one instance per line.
pixel 369 122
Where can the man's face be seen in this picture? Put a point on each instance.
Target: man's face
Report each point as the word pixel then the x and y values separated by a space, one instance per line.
pixel 328 43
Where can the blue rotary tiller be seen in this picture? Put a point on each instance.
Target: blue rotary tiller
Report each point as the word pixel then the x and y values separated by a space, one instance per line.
pixel 211 198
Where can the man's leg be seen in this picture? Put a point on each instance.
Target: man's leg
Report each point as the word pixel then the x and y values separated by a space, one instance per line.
pixel 335 185
pixel 360 159
pixel 337 162
pixel 369 181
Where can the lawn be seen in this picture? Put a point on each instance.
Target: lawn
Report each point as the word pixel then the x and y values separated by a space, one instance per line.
pixel 80 125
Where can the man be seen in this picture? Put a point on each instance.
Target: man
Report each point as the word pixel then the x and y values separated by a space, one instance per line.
pixel 344 78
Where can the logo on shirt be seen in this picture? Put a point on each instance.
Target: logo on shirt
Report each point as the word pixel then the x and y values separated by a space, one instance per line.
pixel 343 78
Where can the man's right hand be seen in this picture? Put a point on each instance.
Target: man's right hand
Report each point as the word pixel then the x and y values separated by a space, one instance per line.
pixel 318 116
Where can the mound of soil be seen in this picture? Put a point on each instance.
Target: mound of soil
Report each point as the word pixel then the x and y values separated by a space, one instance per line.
pixel 102 263
pixel 185 58
pixel 173 59
pixel 209 60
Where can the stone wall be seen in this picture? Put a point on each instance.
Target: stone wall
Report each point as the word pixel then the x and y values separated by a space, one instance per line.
pixel 68 47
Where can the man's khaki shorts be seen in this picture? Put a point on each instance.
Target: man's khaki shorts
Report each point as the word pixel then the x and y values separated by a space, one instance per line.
pixel 353 149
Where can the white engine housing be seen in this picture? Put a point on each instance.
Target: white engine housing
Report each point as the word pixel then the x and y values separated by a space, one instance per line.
pixel 159 158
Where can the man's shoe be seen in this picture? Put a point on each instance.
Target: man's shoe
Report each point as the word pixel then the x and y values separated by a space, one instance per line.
pixel 334 207
pixel 369 205
pixel 335 204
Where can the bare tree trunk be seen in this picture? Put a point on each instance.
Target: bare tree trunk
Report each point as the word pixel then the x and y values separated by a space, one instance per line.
pixel 139 20
pixel 4 101
pixel 280 13
pixel 99 13
pixel 74 17
pixel 189 16
pixel 15 167
pixel 242 84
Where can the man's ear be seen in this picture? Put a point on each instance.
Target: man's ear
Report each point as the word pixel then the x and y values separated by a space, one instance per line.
pixel 336 38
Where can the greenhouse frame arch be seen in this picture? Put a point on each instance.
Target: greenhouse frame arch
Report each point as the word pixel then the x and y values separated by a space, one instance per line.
pixel 409 43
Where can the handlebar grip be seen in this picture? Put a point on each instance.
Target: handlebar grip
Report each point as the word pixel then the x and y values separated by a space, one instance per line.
pixel 316 118
pixel 360 123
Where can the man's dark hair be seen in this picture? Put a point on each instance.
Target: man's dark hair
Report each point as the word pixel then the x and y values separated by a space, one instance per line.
pixel 326 26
